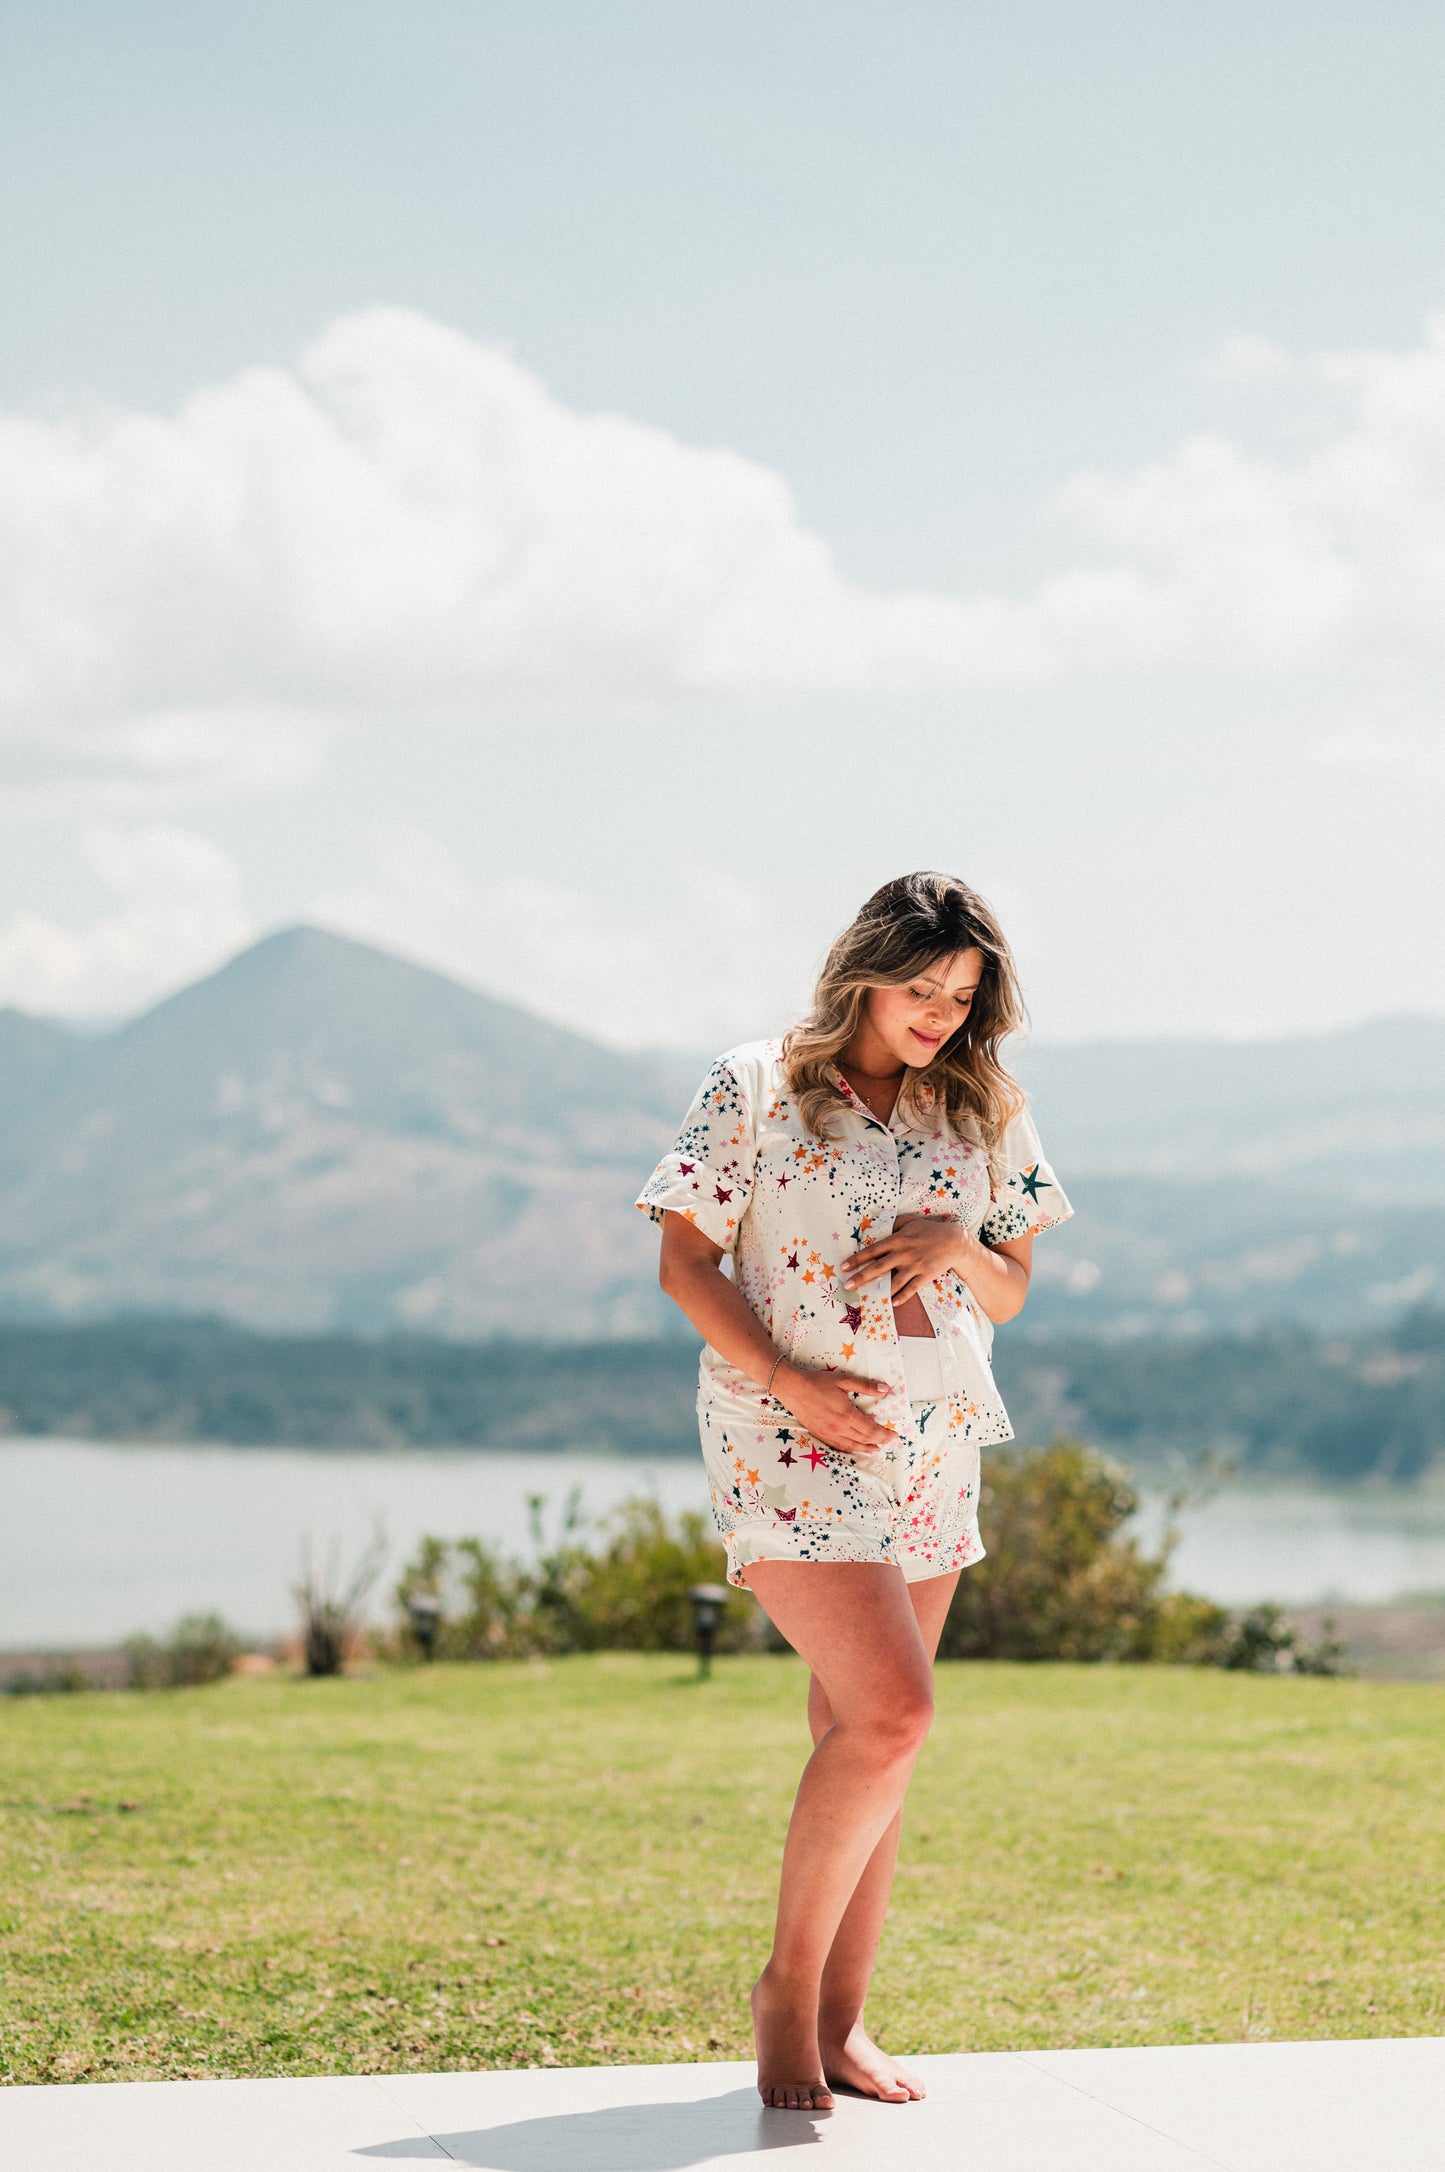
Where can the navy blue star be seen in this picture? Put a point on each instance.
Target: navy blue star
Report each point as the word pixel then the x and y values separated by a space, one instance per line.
pixel 1031 1183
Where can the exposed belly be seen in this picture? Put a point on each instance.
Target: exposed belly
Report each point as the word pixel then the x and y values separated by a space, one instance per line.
pixel 909 1318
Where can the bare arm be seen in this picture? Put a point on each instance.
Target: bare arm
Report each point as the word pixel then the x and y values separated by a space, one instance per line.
pixel 690 1272
pixel 998 1275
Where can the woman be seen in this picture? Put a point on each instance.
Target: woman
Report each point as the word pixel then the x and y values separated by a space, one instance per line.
pixel 879 1184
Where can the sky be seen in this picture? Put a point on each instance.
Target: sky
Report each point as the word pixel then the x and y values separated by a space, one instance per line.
pixel 580 495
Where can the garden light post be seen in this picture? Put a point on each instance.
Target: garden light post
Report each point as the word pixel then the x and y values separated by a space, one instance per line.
pixel 425 1612
pixel 708 1601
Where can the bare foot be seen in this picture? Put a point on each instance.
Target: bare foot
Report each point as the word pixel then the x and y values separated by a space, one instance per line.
pixel 790 2069
pixel 857 2063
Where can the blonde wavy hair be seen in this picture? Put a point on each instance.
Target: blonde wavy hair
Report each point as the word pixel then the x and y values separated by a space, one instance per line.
pixel 911 923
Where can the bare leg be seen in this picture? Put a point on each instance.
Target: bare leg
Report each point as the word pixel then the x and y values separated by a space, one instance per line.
pixel 851 2060
pixel 855 1626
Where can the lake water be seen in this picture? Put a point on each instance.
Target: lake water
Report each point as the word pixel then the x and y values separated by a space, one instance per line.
pixel 98 1541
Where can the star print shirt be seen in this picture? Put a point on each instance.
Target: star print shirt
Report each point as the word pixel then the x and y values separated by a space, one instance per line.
pixel 790 1207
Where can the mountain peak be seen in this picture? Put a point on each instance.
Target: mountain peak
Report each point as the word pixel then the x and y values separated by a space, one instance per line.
pixel 306 950
pixel 313 984
pixel 320 1131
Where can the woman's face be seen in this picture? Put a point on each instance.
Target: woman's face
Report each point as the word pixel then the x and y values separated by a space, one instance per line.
pixel 913 1021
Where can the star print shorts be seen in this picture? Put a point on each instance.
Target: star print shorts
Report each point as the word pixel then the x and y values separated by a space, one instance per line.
pixel 779 1495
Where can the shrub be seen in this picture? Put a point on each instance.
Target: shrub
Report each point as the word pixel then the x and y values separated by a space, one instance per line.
pixel 486 1602
pixel 1187 1631
pixel 1060 1580
pixel 201 1648
pixel 1261 1641
pixel 333 1607
pixel 64 1678
pixel 633 1594
pixel 1063 1579
pixel 628 1594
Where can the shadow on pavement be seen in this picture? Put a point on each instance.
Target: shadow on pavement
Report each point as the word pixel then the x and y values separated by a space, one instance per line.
pixel 622 2138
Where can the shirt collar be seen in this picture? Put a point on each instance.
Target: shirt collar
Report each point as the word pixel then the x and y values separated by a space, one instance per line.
pixel 922 1098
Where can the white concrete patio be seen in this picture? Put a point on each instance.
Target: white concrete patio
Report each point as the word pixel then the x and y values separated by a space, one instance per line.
pixel 1314 2107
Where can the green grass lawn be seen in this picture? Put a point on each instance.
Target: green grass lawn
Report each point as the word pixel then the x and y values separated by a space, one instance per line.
pixel 516 1865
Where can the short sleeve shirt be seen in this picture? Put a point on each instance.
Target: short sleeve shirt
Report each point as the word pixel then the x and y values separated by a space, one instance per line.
pixel 791 1207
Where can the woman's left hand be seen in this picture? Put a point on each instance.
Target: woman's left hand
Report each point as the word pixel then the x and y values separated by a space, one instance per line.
pixel 922 1247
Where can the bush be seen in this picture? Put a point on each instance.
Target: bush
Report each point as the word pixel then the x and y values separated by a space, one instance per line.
pixel 1261 1641
pixel 485 1602
pixel 629 1594
pixel 333 1606
pixel 1062 1580
pixel 199 1649
pixel 62 1679
pixel 633 1595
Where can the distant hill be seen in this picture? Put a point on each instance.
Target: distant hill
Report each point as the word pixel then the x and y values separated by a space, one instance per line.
pixel 1356 1112
pixel 322 1136
pixel 34 1055
pixel 1220 1184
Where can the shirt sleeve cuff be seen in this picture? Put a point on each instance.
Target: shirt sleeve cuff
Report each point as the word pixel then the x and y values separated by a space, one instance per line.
pixel 712 1203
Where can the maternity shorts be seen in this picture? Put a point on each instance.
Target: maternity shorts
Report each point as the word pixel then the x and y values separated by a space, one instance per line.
pixel 779 1495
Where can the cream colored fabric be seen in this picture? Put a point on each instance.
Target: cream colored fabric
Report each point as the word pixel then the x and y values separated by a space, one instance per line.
pixel 922 1369
pixel 790 1208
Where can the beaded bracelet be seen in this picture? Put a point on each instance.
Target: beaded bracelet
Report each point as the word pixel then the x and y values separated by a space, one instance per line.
pixel 777 1361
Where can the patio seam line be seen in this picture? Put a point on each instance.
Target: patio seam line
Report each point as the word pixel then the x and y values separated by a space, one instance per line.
pixel 1147 2125
pixel 402 2113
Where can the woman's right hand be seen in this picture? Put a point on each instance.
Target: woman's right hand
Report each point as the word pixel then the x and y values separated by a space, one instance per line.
pixel 823 1402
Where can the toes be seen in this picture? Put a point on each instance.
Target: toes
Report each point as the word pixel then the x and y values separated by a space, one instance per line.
pixel 796 2096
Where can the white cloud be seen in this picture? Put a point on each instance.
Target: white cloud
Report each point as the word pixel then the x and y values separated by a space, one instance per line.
pixel 715 969
pixel 170 757
pixel 176 912
pixel 409 526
